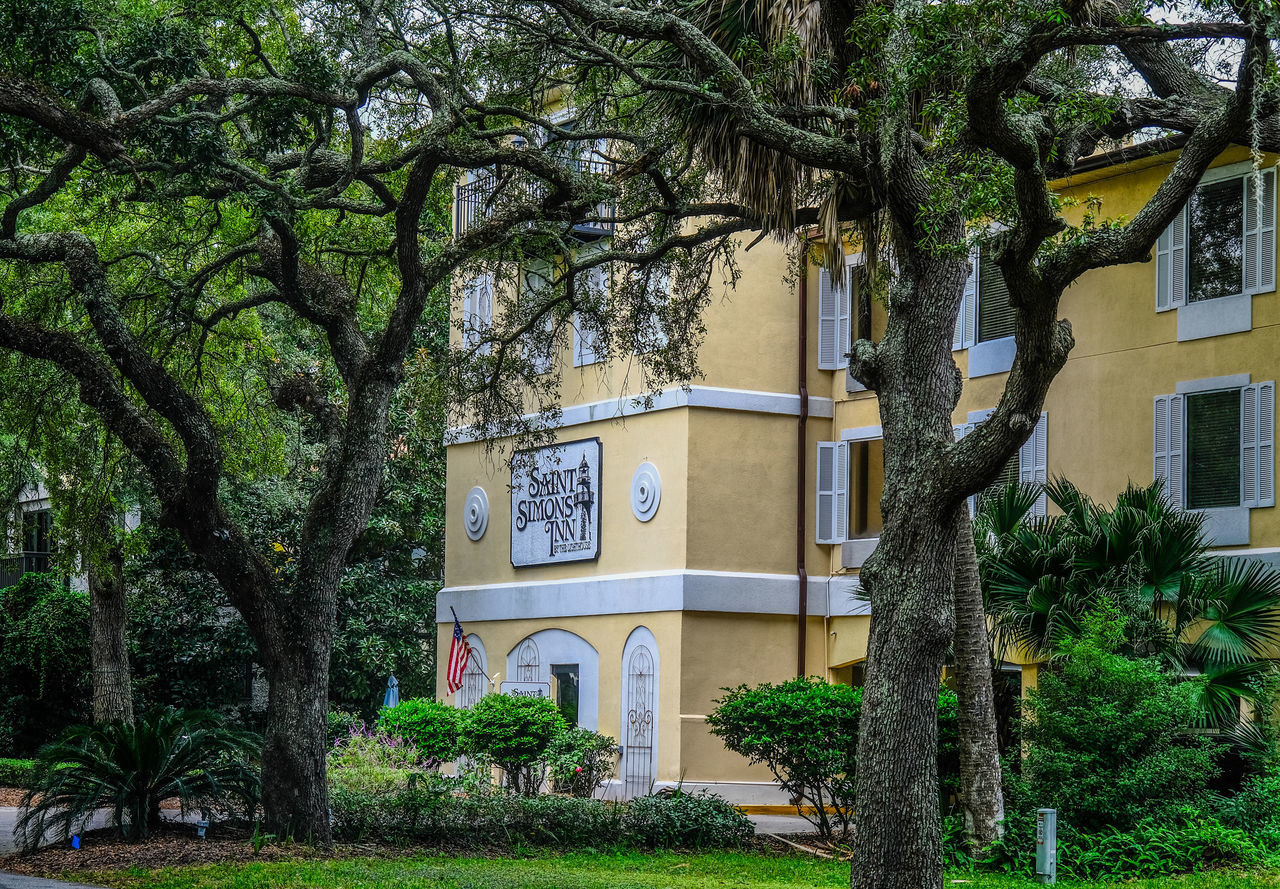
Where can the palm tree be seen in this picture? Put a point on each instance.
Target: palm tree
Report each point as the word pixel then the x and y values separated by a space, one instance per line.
pixel 1199 614
pixel 128 768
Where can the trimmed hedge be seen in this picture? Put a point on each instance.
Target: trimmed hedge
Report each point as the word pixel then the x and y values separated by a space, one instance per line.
pixel 428 809
pixel 17 772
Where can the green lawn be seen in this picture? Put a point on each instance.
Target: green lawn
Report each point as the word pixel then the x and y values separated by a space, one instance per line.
pixel 582 871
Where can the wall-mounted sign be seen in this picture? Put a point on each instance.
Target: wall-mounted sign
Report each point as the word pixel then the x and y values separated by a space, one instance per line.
pixel 555 504
pixel 525 689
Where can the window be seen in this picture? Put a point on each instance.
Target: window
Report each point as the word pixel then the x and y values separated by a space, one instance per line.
pixel 1221 244
pixel 37 532
pixel 834 321
pixel 866 487
pixel 535 282
pixel 1214 445
pixel 588 345
pixel 985 312
pixel 833 491
pixel 477 312
pixel 566 678
pixel 1029 466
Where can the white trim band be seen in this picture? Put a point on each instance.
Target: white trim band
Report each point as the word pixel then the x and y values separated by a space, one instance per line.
pixel 640 593
pixel 712 397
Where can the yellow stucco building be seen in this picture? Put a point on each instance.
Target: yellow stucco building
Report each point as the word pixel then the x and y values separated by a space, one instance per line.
pixel 699 530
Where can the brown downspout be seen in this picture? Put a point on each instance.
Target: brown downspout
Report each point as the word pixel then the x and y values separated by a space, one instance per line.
pixel 802 452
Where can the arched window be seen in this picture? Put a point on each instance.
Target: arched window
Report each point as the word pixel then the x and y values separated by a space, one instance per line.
pixel 475 681
pixel 639 713
pixel 527 663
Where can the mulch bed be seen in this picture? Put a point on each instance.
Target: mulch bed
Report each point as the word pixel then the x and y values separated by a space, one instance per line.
pixel 11 796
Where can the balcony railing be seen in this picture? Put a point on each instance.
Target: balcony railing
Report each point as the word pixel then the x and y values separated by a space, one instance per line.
pixel 13 567
pixel 475 201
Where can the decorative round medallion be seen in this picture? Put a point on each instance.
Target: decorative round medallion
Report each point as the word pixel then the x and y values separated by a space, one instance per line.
pixel 477 513
pixel 646 491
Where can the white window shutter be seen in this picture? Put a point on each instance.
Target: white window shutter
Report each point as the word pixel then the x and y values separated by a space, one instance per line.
pixel 1171 264
pixel 1260 232
pixel 1033 462
pixel 840 506
pixel 826 490
pixel 844 321
pixel 586 343
pixel 967 321
pixel 828 319
pixel 1257 445
pixel 1167 447
pixel 469 315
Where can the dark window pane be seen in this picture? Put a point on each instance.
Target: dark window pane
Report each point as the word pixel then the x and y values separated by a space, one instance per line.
pixel 995 315
pixel 37 531
pixel 1213 449
pixel 866 487
pixel 1216 241
pixel 566 676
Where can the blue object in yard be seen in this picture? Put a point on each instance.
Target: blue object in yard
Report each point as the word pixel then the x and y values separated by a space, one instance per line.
pixel 392 697
pixel 75 842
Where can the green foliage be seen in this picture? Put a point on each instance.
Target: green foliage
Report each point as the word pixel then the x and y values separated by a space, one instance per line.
pixel 1255 808
pixel 44 661
pixel 17 772
pixel 341 725
pixel 805 731
pixel 128 769
pixel 680 820
pixel 580 760
pixel 1111 738
pixel 516 734
pixel 429 725
pixel 1042 576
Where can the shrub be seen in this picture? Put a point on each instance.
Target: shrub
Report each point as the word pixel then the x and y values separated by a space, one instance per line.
pixel 515 733
pixel 580 760
pixel 1255 808
pixel 17 772
pixel 128 769
pixel 430 725
pixel 44 645
pixel 685 820
pixel 341 725
pixel 805 731
pixel 1111 738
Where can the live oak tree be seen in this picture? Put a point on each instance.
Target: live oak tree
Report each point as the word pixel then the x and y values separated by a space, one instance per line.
pixel 198 184
pixel 924 126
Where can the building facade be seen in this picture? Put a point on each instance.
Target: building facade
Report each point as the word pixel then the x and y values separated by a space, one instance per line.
pixel 660 554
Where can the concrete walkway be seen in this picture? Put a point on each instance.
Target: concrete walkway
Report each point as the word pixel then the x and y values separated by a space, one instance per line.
pixel 18 881
pixel 783 825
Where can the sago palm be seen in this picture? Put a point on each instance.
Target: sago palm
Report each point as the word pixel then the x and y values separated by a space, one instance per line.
pixel 127 769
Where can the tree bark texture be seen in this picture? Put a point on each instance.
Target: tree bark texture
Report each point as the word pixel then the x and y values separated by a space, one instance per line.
pixel 295 793
pixel 112 679
pixel 981 793
pixel 898 841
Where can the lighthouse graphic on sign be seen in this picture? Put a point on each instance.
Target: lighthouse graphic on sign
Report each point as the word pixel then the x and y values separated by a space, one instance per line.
pixel 582 499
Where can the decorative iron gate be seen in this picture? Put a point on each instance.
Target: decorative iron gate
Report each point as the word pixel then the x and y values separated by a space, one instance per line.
pixel 527 662
pixel 637 755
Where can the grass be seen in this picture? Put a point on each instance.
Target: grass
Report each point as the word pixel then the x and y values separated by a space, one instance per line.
pixel 627 870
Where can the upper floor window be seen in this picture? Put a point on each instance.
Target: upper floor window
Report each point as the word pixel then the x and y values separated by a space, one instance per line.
pixel 985 312
pixel 37 532
pixel 1029 466
pixel 588 340
pixel 1214 445
pixel 1220 247
pixel 477 312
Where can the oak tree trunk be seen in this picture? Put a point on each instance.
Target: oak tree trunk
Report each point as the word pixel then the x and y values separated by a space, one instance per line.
pixel 112 681
pixel 295 794
pixel 909 579
pixel 981 793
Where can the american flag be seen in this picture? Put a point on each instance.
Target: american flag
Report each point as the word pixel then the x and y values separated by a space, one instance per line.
pixel 459 654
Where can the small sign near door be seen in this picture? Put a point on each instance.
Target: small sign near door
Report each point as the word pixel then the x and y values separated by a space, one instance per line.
pixel 525 689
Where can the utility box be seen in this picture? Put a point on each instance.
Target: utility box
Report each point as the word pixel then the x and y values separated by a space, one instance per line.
pixel 1047 845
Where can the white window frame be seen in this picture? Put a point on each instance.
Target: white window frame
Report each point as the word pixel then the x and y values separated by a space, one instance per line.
pixel 835 319
pixel 1228 525
pixel 587 348
pixel 1231 313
